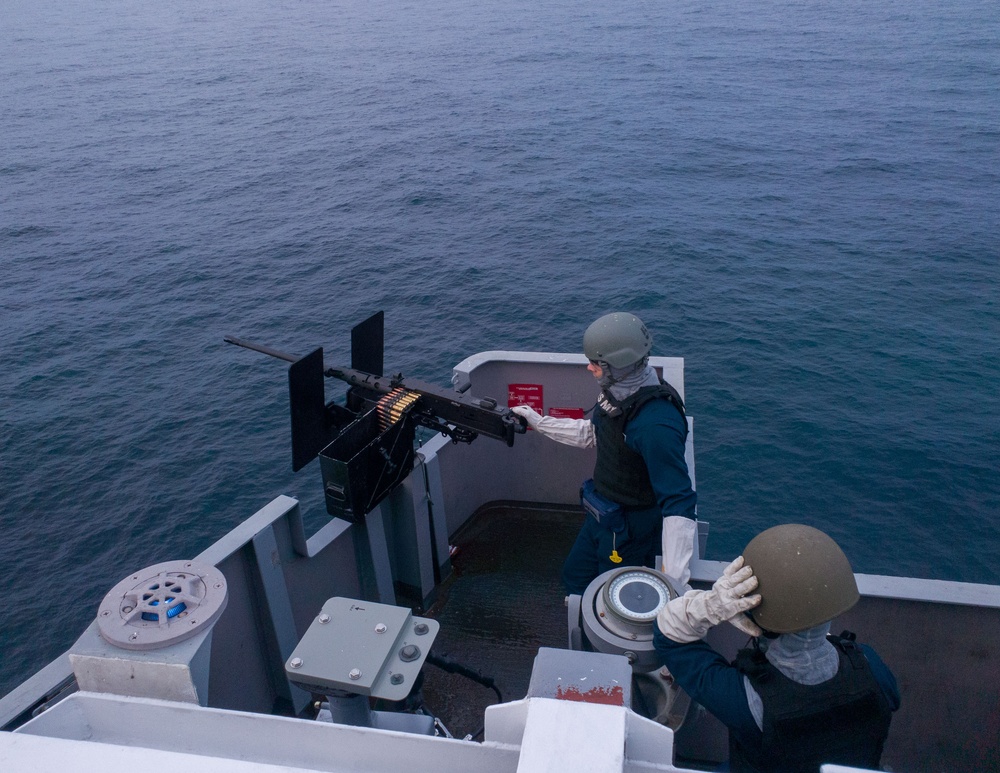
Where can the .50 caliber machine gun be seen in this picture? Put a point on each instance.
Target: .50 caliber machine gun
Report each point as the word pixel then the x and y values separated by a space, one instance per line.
pixel 366 447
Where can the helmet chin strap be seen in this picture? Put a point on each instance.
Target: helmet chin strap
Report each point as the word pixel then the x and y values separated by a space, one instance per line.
pixel 626 381
pixel 611 375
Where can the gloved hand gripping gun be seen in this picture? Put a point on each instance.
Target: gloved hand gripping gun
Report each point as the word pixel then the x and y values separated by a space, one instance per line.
pixel 366 447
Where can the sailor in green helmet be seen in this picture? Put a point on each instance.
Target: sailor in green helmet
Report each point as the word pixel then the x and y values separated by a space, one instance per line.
pixel 797 697
pixel 640 497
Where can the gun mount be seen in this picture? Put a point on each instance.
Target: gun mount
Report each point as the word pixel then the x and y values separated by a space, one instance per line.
pixel 366 447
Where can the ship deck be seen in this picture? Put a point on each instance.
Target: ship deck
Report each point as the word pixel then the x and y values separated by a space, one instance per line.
pixel 503 600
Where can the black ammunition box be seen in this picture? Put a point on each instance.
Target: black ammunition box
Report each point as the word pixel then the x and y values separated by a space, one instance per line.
pixel 363 463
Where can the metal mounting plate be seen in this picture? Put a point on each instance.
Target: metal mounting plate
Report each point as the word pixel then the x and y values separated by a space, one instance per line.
pixel 362 647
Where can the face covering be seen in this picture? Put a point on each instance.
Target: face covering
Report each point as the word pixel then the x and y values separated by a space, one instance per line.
pixel 805 657
pixel 624 382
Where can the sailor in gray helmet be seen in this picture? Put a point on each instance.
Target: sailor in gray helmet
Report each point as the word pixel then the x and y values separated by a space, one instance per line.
pixel 640 495
pixel 797 697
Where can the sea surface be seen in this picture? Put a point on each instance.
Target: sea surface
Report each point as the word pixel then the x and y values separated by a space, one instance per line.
pixel 802 198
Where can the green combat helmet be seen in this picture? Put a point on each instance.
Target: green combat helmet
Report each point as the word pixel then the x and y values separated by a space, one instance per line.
pixel 619 339
pixel 804 578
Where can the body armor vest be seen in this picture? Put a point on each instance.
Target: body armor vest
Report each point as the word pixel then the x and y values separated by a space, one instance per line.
pixel 844 720
pixel 620 473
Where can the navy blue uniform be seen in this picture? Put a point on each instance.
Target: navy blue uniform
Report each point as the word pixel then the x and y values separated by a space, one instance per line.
pixel 657 434
pixel 710 680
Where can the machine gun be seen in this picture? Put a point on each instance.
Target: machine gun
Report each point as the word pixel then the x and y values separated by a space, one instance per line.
pixel 366 447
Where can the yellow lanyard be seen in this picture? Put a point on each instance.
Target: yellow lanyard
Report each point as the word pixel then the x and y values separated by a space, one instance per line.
pixel 615 558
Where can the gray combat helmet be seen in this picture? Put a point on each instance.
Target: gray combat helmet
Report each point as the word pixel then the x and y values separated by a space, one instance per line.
pixel 804 578
pixel 619 339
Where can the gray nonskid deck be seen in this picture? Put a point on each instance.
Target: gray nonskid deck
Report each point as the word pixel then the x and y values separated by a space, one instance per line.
pixel 502 602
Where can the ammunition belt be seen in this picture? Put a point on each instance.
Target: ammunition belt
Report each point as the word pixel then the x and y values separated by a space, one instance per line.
pixel 394 405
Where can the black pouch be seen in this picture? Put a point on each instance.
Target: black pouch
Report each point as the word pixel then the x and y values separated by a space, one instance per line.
pixel 609 515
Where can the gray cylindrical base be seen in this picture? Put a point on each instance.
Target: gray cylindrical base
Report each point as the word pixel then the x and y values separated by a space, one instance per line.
pixel 350 709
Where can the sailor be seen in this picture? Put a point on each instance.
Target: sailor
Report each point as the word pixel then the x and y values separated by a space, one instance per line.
pixel 640 497
pixel 797 697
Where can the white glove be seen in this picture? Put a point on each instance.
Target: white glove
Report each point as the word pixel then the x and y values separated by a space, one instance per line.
pixel 678 541
pixel 572 432
pixel 688 618
pixel 742 622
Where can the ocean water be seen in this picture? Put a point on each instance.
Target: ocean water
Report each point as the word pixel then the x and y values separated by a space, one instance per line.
pixel 800 198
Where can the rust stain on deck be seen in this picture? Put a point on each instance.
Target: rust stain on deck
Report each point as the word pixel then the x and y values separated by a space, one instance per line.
pixel 611 696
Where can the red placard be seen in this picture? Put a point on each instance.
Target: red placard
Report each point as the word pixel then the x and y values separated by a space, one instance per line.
pixel 525 394
pixel 566 413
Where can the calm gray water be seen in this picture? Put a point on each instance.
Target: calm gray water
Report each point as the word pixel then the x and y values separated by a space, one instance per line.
pixel 801 198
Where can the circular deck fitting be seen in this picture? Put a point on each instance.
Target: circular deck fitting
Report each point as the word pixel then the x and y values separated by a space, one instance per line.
pixel 636 594
pixel 162 604
pixel 618 611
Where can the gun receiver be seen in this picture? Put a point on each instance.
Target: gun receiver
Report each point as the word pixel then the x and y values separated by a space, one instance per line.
pixel 366 447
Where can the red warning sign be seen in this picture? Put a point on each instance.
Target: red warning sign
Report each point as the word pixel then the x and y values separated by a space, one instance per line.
pixel 525 394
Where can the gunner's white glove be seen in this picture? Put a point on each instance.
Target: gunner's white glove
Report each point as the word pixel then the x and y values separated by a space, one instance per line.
pixel 572 432
pixel 678 546
pixel 688 617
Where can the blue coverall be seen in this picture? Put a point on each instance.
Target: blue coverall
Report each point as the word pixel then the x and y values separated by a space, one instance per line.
pixel 710 680
pixel 657 433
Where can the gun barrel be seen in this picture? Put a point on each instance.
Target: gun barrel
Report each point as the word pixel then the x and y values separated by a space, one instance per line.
pixel 261 348
pixel 472 415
